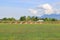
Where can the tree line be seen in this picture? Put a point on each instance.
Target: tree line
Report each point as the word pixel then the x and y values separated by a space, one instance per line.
pixel 28 18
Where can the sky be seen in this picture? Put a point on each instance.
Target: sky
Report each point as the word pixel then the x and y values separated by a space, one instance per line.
pixel 18 8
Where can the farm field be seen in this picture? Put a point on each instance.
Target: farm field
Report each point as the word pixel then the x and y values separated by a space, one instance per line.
pixel 29 31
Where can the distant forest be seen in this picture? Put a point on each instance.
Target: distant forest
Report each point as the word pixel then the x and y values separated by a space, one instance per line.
pixel 29 20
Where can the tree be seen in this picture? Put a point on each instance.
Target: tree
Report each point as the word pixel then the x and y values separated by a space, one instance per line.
pixel 50 19
pixel 46 19
pixel 11 19
pixel 4 19
pixel 8 19
pixel 22 18
pixel 34 18
pixel 28 18
pixel 53 19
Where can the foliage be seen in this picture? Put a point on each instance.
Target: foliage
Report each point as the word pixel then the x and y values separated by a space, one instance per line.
pixel 23 18
pixel 34 18
pixel 11 19
pixel 8 19
pixel 4 19
pixel 28 18
pixel 50 19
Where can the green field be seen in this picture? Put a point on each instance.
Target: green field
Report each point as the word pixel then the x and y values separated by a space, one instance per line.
pixel 29 32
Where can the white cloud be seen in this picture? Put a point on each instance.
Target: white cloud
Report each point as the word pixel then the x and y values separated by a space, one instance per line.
pixel 47 8
pixel 44 9
pixel 33 11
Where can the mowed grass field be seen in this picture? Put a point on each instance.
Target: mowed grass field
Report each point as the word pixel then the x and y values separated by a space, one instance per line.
pixel 29 31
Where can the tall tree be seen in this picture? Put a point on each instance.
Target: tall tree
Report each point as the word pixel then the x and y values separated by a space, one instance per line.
pixel 11 19
pixel 4 19
pixel 28 18
pixel 53 19
pixel 50 19
pixel 23 18
pixel 34 18
pixel 46 19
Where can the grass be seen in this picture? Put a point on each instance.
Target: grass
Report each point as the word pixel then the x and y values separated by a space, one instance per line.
pixel 29 32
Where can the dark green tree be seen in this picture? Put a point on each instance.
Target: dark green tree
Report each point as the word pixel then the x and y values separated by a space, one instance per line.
pixel 28 18
pixel 4 19
pixel 23 18
pixel 53 19
pixel 34 18
pixel 50 19
pixel 46 19
pixel 11 19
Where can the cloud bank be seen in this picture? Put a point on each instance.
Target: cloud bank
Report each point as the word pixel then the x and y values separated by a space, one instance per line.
pixel 44 9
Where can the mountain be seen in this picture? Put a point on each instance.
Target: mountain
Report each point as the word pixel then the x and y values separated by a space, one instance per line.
pixel 57 16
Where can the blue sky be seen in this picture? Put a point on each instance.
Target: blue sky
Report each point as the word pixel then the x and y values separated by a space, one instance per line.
pixel 17 8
